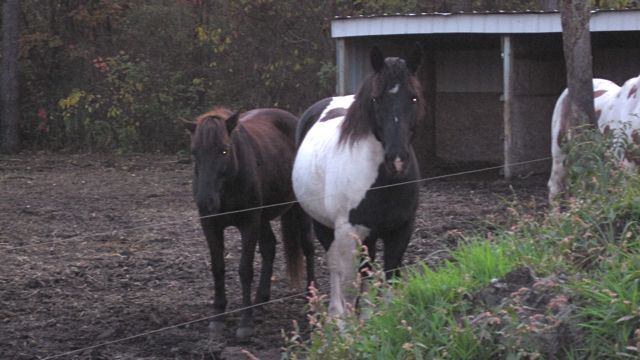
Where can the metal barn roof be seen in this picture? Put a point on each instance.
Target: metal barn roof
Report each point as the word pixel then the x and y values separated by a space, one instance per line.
pixel 477 23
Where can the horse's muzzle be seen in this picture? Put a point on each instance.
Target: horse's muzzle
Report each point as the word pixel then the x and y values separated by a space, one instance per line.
pixel 396 167
pixel 208 205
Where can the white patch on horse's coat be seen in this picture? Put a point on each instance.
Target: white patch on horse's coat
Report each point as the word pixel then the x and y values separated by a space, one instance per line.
pixel 338 102
pixel 395 119
pixel 337 175
pixel 394 89
pixel 330 179
pixel 618 116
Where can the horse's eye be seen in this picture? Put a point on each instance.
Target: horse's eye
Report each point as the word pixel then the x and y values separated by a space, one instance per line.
pixel 224 152
pixel 414 99
pixel 374 100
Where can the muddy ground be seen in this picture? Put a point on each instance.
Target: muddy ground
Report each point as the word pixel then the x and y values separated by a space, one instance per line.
pixel 106 253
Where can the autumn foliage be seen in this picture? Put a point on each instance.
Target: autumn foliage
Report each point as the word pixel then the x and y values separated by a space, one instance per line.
pixel 114 75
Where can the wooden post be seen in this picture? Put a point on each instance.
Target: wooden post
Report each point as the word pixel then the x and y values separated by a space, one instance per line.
pixel 507 67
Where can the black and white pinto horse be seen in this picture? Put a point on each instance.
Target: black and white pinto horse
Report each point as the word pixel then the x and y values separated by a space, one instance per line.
pixel 617 109
pixel 352 151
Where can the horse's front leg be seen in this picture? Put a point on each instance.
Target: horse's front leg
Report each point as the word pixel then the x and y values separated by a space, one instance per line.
pixel 250 232
pixel 343 267
pixel 268 251
pixel 395 242
pixel 395 245
pixel 214 233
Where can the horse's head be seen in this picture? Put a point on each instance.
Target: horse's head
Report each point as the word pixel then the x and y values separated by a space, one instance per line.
pixel 394 100
pixel 211 147
pixel 388 105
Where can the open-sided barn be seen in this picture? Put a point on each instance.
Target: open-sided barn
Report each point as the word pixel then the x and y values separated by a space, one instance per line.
pixel 490 79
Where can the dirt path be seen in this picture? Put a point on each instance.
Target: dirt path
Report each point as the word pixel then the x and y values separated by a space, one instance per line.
pixel 122 254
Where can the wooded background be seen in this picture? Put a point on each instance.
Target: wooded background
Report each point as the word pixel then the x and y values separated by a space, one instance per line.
pixel 115 75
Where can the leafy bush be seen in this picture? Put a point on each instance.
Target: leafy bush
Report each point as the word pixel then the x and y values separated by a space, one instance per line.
pixel 604 207
pixel 120 113
pixel 115 75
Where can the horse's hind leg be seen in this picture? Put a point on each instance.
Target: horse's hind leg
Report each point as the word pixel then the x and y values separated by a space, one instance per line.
pixel 557 179
pixel 298 242
pixel 250 233
pixel 215 239
pixel 267 250
pixel 306 241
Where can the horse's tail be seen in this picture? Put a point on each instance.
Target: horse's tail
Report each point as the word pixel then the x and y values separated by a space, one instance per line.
pixel 297 241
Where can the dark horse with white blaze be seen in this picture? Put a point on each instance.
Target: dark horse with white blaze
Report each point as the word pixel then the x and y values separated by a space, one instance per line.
pixel 354 169
pixel 242 172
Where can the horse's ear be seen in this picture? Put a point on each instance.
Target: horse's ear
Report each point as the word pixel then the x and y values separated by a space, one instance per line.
pixel 232 121
pixel 377 59
pixel 413 62
pixel 189 125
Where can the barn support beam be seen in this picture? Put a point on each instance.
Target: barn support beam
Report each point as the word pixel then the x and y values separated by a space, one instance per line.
pixel 341 67
pixel 533 77
pixel 507 96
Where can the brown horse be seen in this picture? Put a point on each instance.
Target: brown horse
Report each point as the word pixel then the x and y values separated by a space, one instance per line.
pixel 244 162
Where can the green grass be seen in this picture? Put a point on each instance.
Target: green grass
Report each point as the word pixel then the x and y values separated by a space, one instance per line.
pixel 594 243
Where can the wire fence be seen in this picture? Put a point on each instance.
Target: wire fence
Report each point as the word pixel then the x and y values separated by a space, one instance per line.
pixel 288 297
pixel 116 231
pixel 212 317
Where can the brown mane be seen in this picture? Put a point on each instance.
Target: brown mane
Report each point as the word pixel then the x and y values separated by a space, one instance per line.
pixel 219 112
pixel 207 132
pixel 360 117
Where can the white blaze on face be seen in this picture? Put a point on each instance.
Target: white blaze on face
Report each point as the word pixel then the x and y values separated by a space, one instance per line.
pixel 394 89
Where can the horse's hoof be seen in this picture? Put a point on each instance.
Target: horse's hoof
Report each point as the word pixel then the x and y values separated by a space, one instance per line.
pixel 216 327
pixel 244 333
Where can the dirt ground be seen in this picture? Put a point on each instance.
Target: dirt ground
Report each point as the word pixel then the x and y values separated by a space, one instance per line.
pixel 105 254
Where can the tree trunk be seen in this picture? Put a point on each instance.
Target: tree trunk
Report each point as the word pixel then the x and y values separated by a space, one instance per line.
pixel 576 39
pixel 9 76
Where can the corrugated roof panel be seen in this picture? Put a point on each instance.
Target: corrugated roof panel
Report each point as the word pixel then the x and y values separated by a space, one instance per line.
pixel 396 26
pixel 413 26
pixel 550 24
pixel 496 23
pixel 490 26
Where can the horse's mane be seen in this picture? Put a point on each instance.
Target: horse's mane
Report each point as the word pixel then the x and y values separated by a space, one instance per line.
pixel 360 117
pixel 206 131
pixel 219 112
